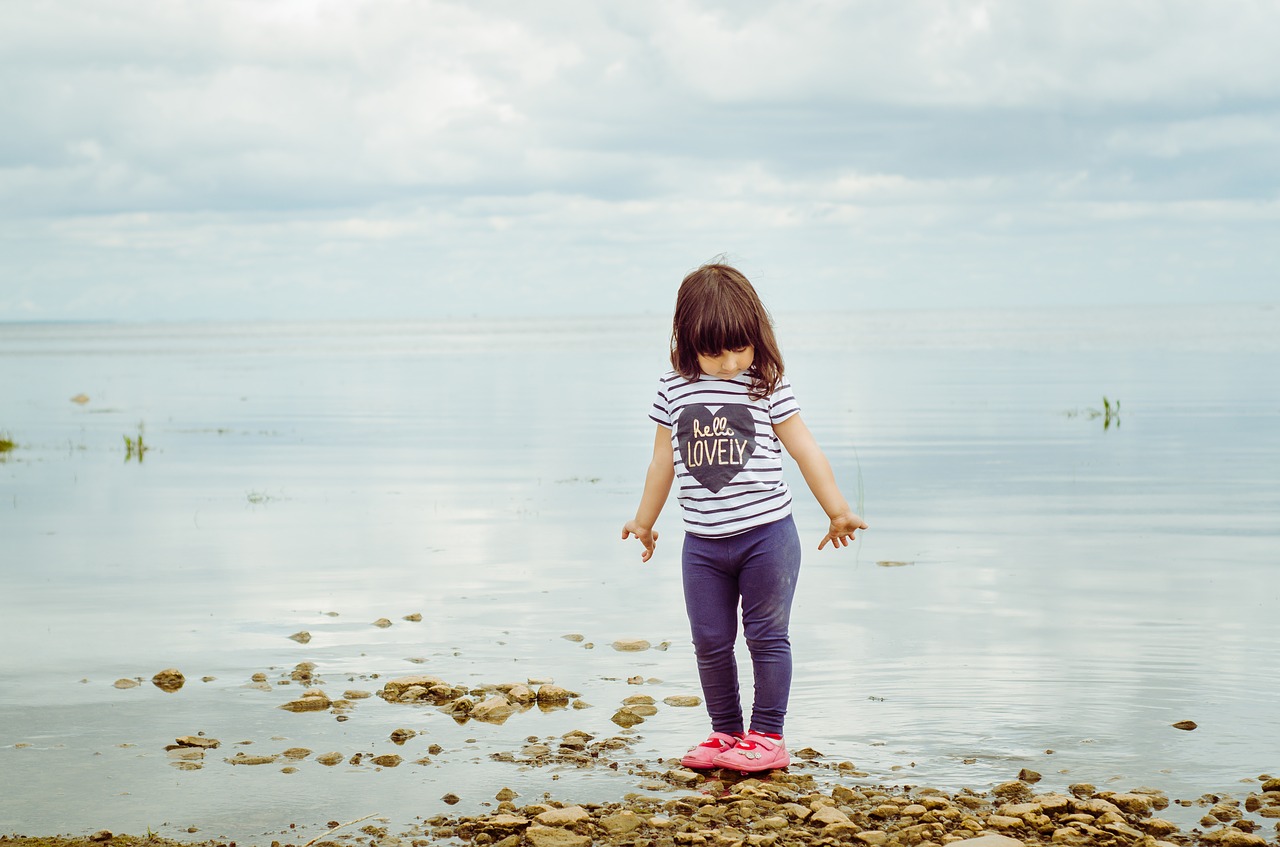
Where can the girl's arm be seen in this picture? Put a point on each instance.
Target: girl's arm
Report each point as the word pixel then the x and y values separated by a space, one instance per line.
pixel 657 485
pixel 802 447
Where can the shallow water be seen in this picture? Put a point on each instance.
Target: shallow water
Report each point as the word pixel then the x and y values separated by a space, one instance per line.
pixel 1067 587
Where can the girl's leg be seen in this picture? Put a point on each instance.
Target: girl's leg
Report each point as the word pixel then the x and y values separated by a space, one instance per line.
pixel 711 599
pixel 768 584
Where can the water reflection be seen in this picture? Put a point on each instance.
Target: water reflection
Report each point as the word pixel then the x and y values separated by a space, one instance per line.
pixel 1072 588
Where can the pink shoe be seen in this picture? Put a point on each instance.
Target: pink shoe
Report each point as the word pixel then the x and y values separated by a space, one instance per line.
pixel 754 753
pixel 699 758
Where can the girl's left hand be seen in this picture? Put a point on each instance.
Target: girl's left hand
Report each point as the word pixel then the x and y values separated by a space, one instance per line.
pixel 842 530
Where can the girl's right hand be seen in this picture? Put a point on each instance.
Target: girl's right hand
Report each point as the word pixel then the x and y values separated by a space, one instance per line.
pixel 646 535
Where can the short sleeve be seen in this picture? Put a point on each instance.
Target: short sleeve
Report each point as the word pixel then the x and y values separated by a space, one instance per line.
pixel 782 402
pixel 660 413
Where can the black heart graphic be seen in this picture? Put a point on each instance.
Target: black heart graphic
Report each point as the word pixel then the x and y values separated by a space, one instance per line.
pixel 716 445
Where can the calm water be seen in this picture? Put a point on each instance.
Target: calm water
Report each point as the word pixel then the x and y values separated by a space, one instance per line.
pixel 1070 586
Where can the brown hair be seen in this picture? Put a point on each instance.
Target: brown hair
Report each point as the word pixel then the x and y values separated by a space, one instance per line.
pixel 718 310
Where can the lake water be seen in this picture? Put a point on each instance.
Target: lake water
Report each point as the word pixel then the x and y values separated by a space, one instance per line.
pixel 1070 583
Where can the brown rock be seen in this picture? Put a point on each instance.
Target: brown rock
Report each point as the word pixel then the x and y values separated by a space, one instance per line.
pixel 414 618
pixel 301 637
pixel 387 760
pixel 401 735
pixel 126 683
pixel 554 836
pixel 872 837
pixel 521 694
pixel 197 741
pixel 102 834
pixel 993 839
pixel 1028 775
pixel 621 823
pixel 393 688
pixel 242 759
pixel 1185 725
pixel 626 718
pixel 567 816
pixel 496 709
pixel 382 623
pixel 549 693
pixel 312 700
pixel 329 759
pixel 828 815
pixel 631 645
pixel 169 679
pixel 1231 837
pixel 682 700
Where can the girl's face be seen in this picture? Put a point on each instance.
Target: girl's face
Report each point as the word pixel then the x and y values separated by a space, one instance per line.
pixel 729 363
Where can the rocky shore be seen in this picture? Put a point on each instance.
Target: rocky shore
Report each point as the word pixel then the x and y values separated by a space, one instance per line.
pixel 783 809
pixel 817 801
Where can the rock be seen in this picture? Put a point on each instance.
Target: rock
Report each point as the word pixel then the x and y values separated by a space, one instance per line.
pixel 631 645
pixel 402 735
pixel 567 816
pixel 330 759
pixel 521 694
pixel 1012 792
pixel 643 710
pixel 993 839
pixel 81 399
pixel 1083 790
pixel 312 700
pixel 548 693
pixel 553 836
pixel 1134 804
pixel 808 753
pixel 682 700
pixel 242 759
pixel 505 795
pixel 356 694
pixel 682 777
pixel 1028 775
pixel 493 710
pixel 388 760
pixel 1185 725
pixel 828 815
pixel 451 799
pixel 393 688
pixel 382 623
pixel 169 679
pixel 126 683
pixel 1232 837
pixel 102 834
pixel 872 837
pixel 575 637
pixel 639 700
pixel 626 718
pixel 414 618
pixel 1005 822
pixel 197 741
pixel 1271 785
pixel 301 637
pixel 621 823
pixel 581 704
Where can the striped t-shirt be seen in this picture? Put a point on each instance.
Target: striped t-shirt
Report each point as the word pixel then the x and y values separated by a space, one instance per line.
pixel 728 460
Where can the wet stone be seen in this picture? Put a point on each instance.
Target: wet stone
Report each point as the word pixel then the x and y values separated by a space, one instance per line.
pixel 330 759
pixel 169 679
pixel 197 741
pixel 126 683
pixel 631 645
pixel 302 637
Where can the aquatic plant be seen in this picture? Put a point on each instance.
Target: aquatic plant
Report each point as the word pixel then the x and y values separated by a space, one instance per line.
pixel 135 447
pixel 1110 413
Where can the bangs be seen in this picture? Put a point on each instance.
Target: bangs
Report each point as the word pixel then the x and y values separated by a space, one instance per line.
pixel 712 334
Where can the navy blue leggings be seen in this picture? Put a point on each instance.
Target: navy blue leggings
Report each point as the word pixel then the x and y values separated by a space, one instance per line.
pixel 759 567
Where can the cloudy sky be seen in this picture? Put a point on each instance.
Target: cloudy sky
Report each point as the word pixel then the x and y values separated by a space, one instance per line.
pixel 191 159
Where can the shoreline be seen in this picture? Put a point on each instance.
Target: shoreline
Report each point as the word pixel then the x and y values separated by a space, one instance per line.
pixel 783 808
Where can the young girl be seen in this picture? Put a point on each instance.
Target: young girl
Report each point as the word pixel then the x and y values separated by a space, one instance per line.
pixel 722 414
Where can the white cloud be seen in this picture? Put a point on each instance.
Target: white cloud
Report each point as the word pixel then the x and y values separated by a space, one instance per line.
pixel 229 158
